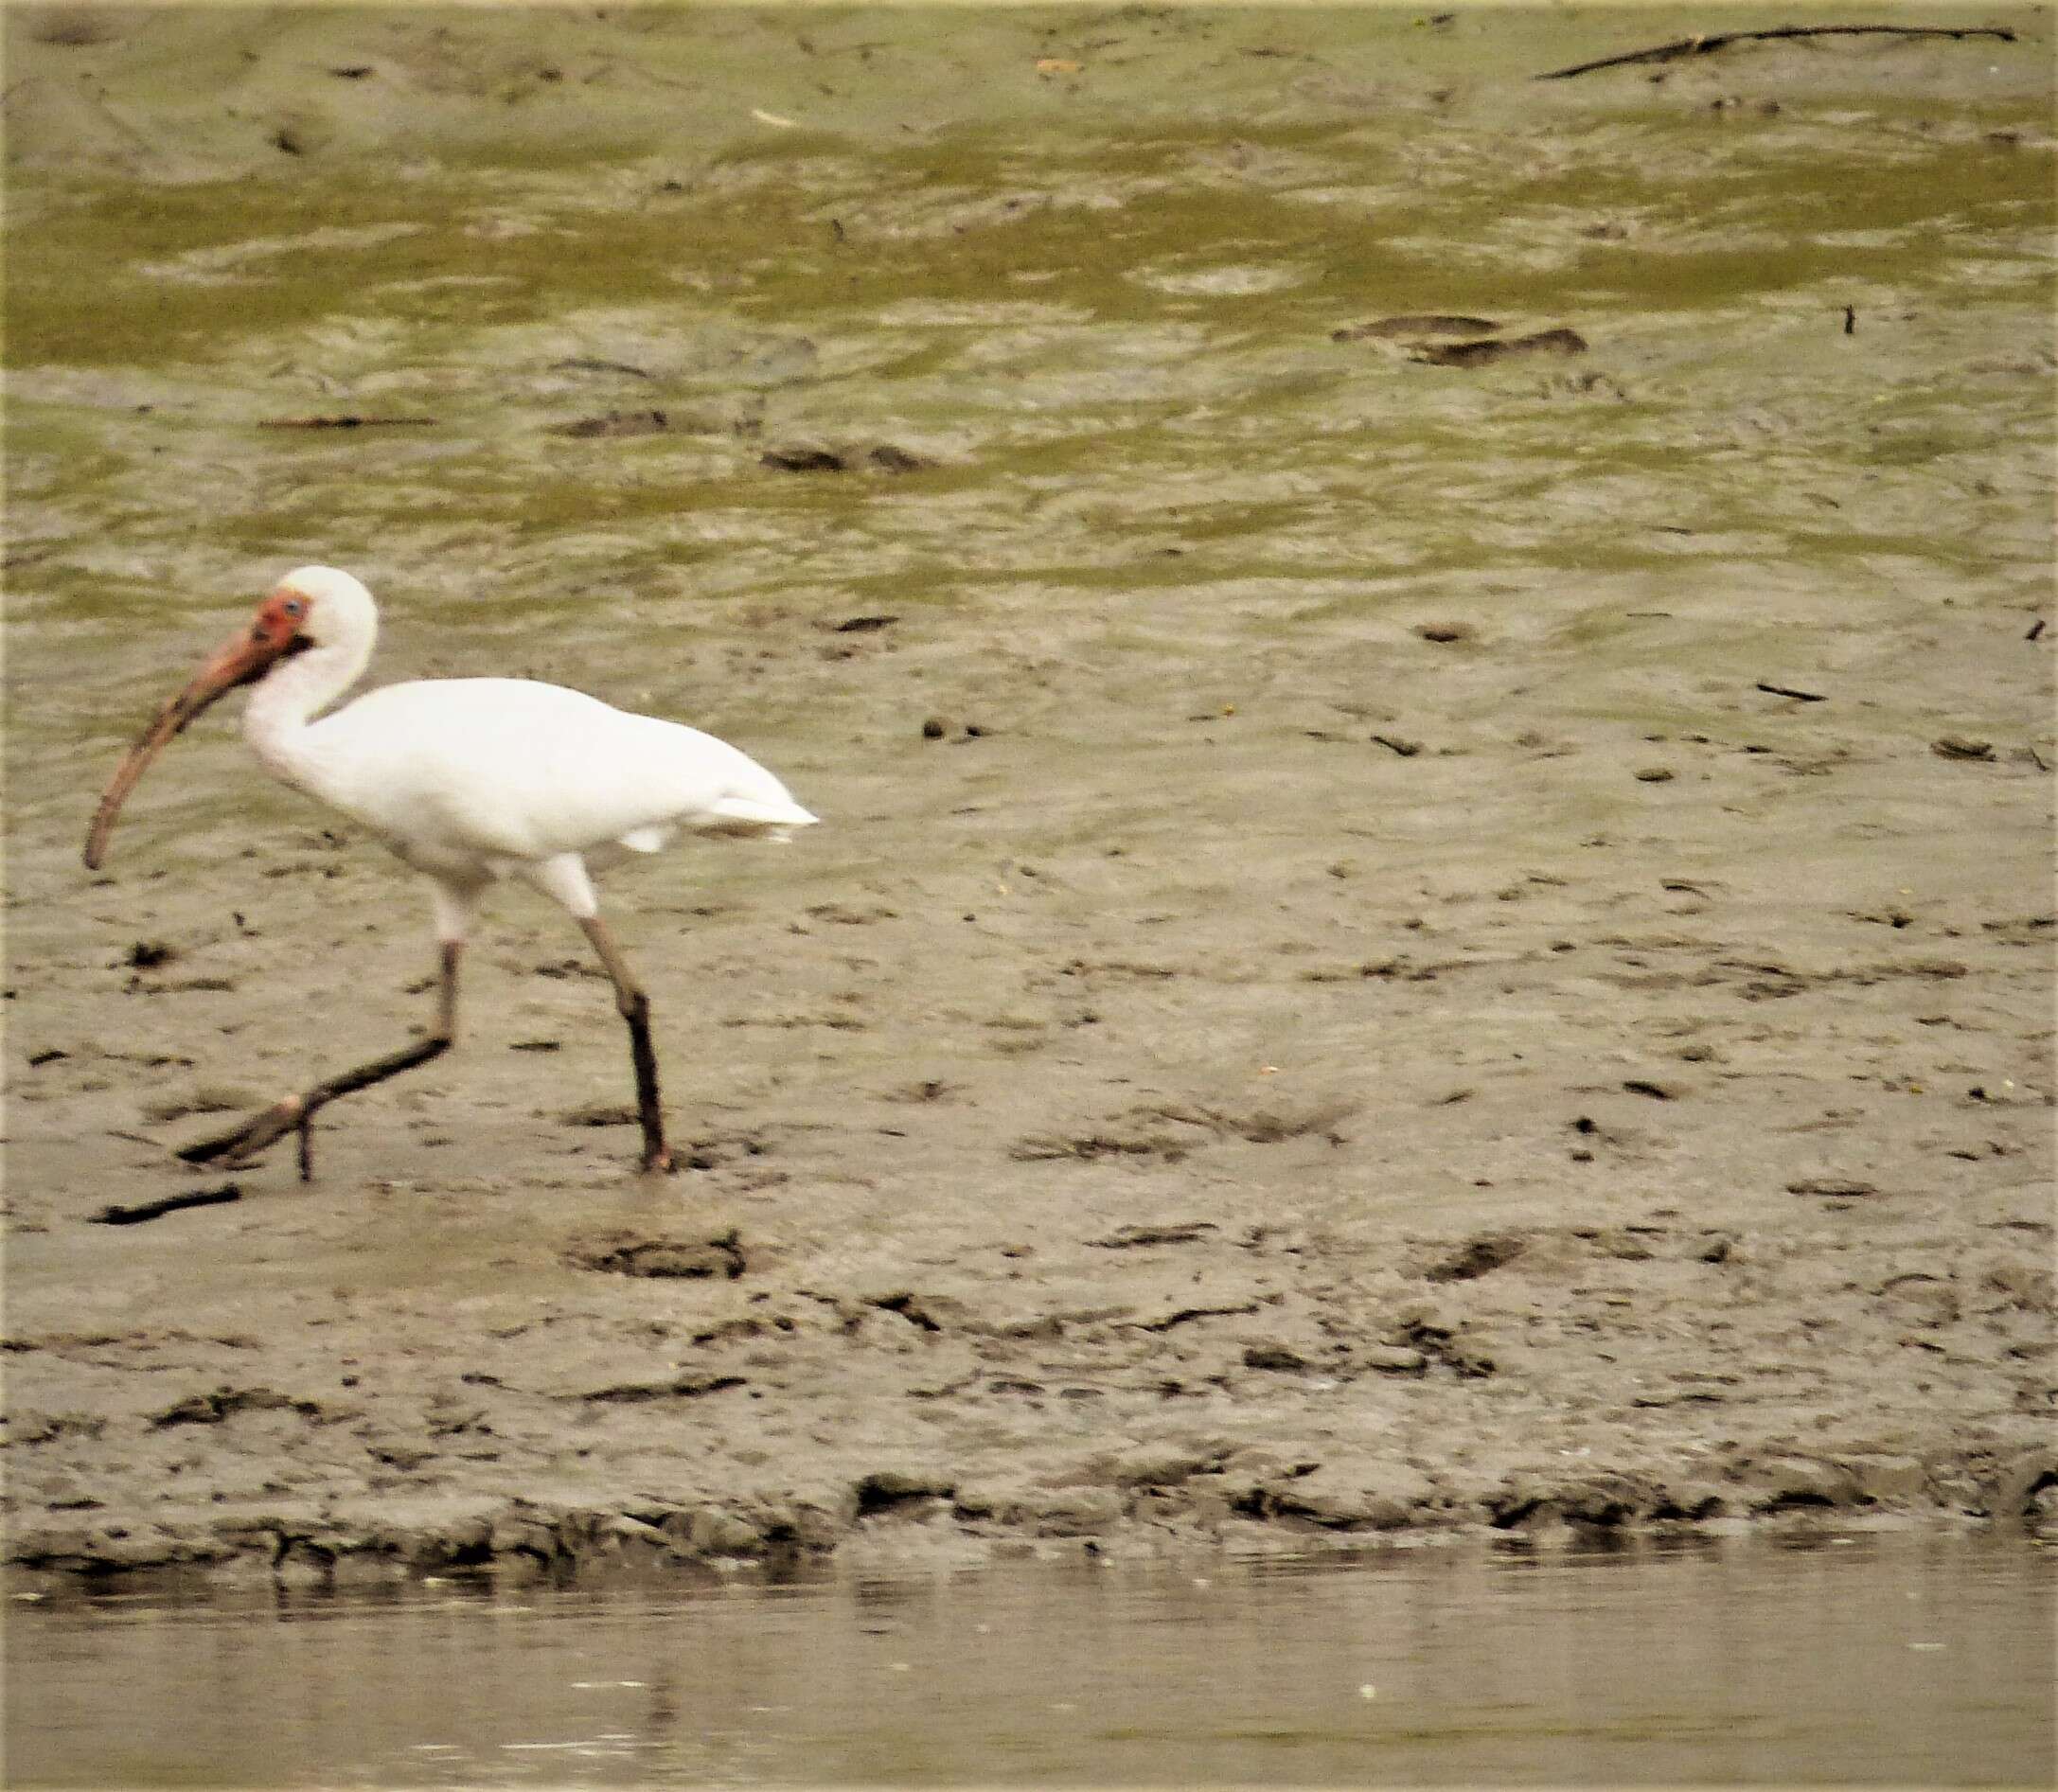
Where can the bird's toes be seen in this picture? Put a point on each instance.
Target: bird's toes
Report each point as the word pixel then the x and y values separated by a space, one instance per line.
pixel 658 1163
pixel 244 1142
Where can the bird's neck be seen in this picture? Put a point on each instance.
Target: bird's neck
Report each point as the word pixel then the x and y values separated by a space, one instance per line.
pixel 286 698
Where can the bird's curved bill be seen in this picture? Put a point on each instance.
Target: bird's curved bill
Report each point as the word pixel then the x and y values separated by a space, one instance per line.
pixel 246 656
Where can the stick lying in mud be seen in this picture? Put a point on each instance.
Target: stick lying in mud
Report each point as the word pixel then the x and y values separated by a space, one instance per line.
pixel 1721 39
pixel 170 1204
pixel 346 422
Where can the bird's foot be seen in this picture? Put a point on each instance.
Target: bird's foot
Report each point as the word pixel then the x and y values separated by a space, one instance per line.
pixel 241 1143
pixel 657 1160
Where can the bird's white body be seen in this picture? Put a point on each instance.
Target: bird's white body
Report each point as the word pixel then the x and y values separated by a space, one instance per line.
pixel 469 780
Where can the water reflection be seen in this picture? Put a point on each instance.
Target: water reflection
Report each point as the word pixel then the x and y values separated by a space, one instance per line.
pixel 1878 1657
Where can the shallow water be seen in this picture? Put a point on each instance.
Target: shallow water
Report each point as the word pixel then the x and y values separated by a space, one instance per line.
pixel 1870 1659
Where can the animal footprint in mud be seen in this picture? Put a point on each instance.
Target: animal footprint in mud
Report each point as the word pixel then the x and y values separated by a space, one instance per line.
pixel 720 1256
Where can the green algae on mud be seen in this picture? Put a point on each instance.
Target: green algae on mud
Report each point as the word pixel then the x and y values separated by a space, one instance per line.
pixel 1100 1102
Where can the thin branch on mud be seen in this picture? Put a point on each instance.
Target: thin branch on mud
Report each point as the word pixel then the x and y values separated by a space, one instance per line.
pixel 170 1204
pixel 346 422
pixel 1721 39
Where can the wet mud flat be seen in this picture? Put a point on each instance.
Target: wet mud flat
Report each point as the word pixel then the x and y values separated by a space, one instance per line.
pixel 1403 942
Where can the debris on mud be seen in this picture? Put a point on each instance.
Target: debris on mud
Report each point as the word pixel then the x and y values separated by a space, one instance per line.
pixel 1480 352
pixel 622 1253
pixel 815 458
pixel 116 1214
pixel 1408 327
pixel 1962 747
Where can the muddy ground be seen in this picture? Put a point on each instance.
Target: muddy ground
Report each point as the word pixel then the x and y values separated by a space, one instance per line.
pixel 1470 949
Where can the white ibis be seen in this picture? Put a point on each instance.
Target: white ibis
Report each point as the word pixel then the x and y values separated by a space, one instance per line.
pixel 468 780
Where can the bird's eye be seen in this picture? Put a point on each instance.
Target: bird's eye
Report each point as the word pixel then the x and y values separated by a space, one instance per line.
pixel 294 607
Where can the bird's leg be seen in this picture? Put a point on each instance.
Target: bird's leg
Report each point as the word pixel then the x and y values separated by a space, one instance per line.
pixel 296 1112
pixel 635 1009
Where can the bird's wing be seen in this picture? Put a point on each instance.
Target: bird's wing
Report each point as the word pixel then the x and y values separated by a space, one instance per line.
pixel 515 769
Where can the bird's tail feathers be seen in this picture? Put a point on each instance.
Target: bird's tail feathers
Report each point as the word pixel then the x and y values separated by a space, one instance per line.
pixel 757 817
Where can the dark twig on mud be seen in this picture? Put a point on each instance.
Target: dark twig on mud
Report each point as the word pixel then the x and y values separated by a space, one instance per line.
pixel 170 1204
pixel 1721 39
pixel 347 423
pixel 592 364
pixel 1787 690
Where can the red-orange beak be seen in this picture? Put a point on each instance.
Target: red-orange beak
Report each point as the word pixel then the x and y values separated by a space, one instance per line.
pixel 244 658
